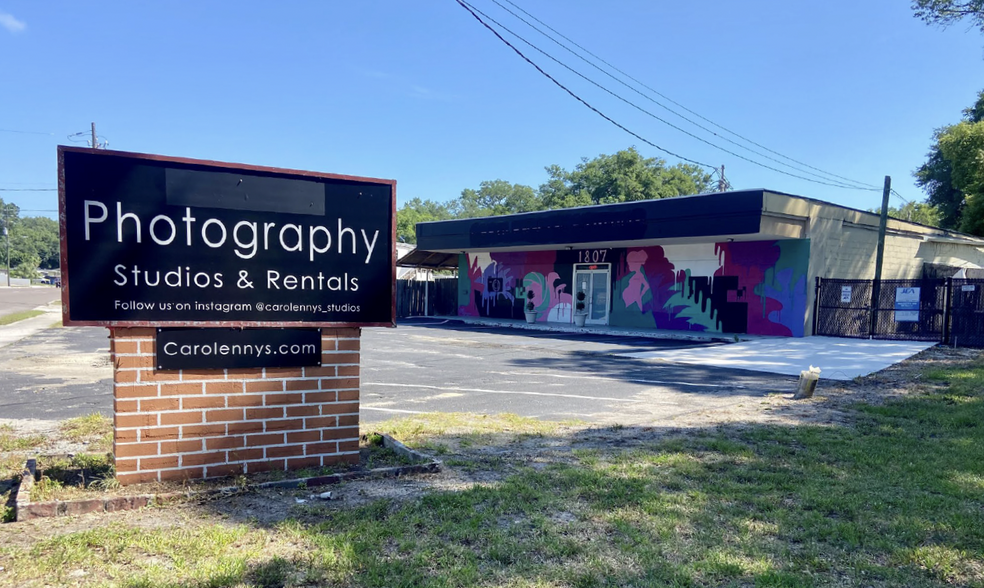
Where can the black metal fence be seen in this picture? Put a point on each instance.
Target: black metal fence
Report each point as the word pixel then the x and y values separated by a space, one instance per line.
pixel 438 297
pixel 966 313
pixel 949 310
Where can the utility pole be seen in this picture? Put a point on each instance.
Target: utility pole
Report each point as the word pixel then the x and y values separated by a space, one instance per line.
pixel 6 235
pixel 722 184
pixel 880 253
pixel 94 144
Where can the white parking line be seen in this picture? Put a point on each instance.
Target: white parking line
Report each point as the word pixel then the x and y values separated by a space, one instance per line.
pixel 485 391
pixel 364 407
pixel 582 376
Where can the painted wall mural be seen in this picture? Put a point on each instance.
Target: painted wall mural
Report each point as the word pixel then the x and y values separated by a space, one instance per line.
pixel 756 287
pixel 498 285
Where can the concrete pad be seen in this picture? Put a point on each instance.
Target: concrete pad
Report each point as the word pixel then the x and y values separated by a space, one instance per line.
pixel 839 359
pixel 16 331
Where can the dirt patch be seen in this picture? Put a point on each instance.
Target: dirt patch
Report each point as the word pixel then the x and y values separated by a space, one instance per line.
pixel 56 365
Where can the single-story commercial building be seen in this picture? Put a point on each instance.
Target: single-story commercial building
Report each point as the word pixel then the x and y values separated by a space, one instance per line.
pixel 732 262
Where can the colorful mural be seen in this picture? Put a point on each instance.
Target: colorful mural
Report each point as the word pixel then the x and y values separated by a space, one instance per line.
pixel 756 287
pixel 498 285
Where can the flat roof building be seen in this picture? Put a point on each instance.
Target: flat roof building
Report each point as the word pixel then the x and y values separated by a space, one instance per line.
pixel 731 262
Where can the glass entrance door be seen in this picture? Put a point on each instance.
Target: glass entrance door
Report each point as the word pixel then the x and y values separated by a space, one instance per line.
pixel 594 281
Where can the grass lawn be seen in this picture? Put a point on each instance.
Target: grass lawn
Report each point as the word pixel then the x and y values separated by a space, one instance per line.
pixel 19 316
pixel 897 499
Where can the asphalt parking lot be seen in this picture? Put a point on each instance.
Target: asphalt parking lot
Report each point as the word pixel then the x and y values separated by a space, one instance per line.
pixel 427 366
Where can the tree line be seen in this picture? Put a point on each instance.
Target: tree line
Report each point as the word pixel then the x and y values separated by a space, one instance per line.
pixel 33 242
pixel 622 177
pixel 953 175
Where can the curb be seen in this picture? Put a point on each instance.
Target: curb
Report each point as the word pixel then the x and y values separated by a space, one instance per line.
pixel 25 510
pixel 570 328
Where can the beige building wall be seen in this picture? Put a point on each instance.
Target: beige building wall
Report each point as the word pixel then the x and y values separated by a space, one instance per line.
pixel 844 242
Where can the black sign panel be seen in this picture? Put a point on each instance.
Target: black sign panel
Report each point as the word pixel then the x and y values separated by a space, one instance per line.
pixel 190 348
pixel 148 240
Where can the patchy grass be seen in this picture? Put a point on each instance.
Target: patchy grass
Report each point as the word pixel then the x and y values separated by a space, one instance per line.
pixel 897 499
pixel 19 316
pixel 432 432
pixel 11 441
pixel 67 478
pixel 93 429
pixel 217 555
pixel 10 466
pixel 79 476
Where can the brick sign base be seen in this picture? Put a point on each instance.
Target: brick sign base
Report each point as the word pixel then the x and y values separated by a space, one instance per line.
pixel 197 424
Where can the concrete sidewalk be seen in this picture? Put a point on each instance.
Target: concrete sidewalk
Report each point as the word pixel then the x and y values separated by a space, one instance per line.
pixel 16 331
pixel 839 359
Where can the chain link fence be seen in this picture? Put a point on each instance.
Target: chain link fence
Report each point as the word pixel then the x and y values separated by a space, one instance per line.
pixel 949 311
pixel 966 313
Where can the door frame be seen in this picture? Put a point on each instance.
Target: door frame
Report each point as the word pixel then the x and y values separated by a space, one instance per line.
pixel 594 269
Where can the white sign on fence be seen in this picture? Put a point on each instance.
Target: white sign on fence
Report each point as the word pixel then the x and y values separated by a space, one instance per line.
pixel 906 305
pixel 845 294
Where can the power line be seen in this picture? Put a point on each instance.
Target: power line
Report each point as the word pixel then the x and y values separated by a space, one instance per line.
pixel 903 198
pixel 28 189
pixel 25 132
pixel 89 138
pixel 575 96
pixel 667 98
pixel 643 110
pixel 656 102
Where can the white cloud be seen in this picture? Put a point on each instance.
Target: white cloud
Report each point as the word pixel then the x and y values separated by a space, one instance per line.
pixel 10 23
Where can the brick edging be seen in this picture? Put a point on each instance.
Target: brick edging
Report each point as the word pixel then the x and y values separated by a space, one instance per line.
pixel 25 510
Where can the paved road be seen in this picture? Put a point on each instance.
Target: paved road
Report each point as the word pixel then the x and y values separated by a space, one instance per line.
pixel 426 366
pixel 18 299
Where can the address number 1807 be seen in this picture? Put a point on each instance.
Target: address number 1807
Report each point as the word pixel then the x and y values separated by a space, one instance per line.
pixel 592 256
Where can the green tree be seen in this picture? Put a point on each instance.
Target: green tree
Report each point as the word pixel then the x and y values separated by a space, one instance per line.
pixel 623 177
pixel 947 12
pixel 962 145
pixel 33 240
pixel 495 198
pixel 26 266
pixel 418 211
pixel 41 233
pixel 917 212
pixel 936 176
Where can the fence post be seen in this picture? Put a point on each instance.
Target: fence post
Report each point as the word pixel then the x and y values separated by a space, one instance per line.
pixel 816 307
pixel 426 292
pixel 873 313
pixel 947 309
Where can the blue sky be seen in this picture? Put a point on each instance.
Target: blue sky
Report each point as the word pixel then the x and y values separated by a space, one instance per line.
pixel 418 91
